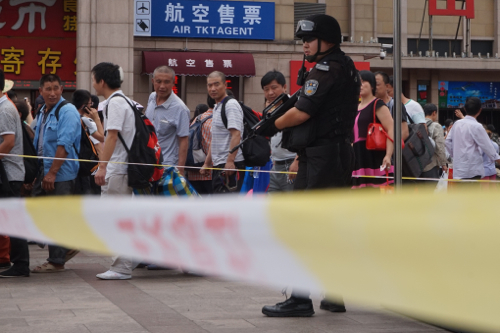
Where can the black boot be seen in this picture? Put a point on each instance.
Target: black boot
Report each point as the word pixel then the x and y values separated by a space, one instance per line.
pixel 292 307
pixel 332 306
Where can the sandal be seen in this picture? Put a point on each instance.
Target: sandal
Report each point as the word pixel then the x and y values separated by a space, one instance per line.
pixel 70 254
pixel 48 267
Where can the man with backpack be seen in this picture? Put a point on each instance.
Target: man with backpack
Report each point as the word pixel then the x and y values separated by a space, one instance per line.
pixel 119 124
pixel 224 138
pixel 59 137
pixel 170 117
pixel 11 181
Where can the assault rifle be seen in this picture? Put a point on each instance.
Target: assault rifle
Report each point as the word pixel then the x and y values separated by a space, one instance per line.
pixel 272 112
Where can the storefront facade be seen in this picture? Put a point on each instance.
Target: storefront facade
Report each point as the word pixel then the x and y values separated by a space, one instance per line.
pixel 36 38
pixel 110 31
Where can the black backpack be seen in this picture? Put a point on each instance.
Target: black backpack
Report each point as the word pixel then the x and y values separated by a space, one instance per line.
pixel 256 151
pixel 30 164
pixel 145 149
pixel 87 149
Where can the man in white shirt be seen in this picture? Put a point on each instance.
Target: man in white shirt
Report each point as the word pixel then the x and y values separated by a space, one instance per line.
pixel 224 138
pixel 113 178
pixel 170 117
pixel 466 143
pixel 414 110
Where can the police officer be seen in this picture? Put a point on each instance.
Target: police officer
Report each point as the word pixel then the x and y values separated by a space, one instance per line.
pixel 320 129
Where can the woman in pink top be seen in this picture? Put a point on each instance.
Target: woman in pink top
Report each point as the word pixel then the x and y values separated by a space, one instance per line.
pixel 369 162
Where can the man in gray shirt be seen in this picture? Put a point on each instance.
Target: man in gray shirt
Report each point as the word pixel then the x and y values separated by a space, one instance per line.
pixel 170 117
pixel 224 138
pixel 12 178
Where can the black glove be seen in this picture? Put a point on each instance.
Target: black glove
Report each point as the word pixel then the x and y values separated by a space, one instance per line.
pixel 267 129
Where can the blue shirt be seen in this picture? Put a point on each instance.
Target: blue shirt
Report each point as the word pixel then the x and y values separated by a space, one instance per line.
pixel 66 132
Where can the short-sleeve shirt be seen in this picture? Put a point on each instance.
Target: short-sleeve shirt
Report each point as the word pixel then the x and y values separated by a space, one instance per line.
pixel 404 117
pixel 415 111
pixel 119 116
pixel 171 121
pixel 51 133
pixel 91 128
pixel 221 136
pixel 10 123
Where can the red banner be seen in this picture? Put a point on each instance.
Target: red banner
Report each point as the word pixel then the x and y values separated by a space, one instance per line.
pixel 295 66
pixel 38 37
pixel 451 9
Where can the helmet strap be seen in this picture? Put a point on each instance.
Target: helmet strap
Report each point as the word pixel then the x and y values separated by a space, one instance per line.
pixel 318 53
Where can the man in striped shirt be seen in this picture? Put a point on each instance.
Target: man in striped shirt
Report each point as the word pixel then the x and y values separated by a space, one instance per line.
pixel 225 136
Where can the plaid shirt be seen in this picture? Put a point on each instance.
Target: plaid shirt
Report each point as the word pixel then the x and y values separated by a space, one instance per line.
pixel 206 133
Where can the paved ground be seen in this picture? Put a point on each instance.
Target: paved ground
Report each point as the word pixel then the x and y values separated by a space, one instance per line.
pixel 163 301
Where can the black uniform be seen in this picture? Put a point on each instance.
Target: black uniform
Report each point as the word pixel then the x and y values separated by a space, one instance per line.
pixel 330 96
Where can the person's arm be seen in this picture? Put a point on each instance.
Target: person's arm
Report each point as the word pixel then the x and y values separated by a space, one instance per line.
pixel 294 167
pixel 94 115
pixel 483 141
pixel 183 149
pixel 384 115
pixel 50 178
pixel 459 114
pixel 235 140
pixel 208 163
pixel 68 128
pixel 405 131
pixel 291 118
pixel 182 132
pixel 9 140
pixel 109 148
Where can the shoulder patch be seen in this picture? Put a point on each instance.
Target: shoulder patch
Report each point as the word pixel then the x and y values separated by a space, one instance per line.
pixel 322 67
pixel 310 87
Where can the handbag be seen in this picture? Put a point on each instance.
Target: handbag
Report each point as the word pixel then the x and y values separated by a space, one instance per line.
pixel 376 138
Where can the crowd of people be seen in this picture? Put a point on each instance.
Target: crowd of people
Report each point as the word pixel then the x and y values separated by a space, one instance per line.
pixel 321 142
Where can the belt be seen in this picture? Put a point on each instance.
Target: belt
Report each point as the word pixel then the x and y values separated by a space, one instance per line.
pixel 288 161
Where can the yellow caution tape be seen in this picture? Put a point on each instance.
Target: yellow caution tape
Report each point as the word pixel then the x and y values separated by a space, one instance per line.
pixel 428 255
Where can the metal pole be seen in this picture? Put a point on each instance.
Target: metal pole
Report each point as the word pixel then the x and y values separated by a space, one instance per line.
pixel 431 33
pixel 468 37
pixel 421 26
pixel 398 152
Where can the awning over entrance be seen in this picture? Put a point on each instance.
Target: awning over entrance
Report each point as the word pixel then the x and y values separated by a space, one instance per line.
pixel 200 63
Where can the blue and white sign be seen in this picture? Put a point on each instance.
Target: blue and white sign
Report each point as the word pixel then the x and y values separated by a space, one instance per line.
pixel 204 19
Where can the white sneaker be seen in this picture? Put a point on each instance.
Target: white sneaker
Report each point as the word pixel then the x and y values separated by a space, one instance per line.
pixel 110 275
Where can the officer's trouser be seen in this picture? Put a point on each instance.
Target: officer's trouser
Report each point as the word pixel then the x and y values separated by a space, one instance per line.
pixel 327 166
pixel 324 167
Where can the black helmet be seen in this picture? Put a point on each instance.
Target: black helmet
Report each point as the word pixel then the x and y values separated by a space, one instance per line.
pixel 322 26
